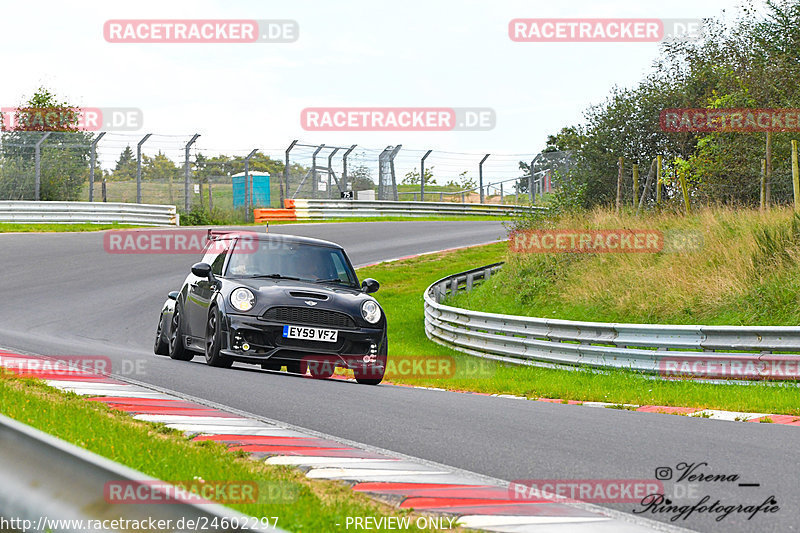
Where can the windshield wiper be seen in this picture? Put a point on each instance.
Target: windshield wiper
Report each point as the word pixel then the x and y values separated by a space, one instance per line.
pixel 272 276
pixel 333 280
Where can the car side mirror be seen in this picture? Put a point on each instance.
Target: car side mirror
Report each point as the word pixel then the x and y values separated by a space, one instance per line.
pixel 201 270
pixel 173 295
pixel 370 285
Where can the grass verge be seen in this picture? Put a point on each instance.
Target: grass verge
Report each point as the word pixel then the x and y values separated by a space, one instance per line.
pixel 7 227
pixel 168 455
pixel 402 285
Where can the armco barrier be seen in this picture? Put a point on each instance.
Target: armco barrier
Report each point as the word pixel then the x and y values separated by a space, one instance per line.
pixel 94 212
pixel 54 485
pixel 305 209
pixel 692 350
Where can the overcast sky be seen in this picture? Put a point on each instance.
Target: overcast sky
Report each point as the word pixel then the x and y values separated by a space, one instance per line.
pixel 349 53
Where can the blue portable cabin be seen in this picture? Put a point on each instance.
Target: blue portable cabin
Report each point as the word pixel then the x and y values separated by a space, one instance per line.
pixel 259 187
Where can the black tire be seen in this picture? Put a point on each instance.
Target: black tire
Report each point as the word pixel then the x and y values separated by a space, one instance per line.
pixel 297 367
pixel 371 376
pixel 160 347
pixel 214 341
pixel 177 350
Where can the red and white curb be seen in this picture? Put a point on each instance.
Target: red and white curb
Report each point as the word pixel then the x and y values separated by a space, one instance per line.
pixel 472 501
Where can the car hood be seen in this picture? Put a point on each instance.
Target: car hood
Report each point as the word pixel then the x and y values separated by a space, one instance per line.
pixel 273 293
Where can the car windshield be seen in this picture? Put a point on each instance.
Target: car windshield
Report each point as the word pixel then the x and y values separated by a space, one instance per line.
pixel 289 260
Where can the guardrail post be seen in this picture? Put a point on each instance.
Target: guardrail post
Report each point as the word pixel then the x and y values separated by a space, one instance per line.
pixel 248 200
pixel 92 163
pixel 422 176
pixel 38 164
pixel 480 174
pixel 470 279
pixel 139 168
pixel 187 171
pixel 344 168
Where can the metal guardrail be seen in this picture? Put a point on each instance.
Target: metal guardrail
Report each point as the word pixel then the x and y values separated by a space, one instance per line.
pixel 51 483
pixel 653 348
pixel 320 209
pixel 93 212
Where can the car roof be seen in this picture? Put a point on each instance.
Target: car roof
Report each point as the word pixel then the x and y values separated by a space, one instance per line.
pixel 271 237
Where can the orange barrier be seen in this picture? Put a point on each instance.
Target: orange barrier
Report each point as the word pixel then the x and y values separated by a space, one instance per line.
pixel 288 203
pixel 264 215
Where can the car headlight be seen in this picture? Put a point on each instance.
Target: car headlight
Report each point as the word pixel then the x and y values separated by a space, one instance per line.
pixel 371 311
pixel 243 299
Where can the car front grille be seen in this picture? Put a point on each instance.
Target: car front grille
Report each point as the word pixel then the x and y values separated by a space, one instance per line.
pixel 314 317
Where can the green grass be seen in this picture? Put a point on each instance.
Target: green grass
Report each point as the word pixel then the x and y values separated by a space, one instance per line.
pixel 745 271
pixel 397 219
pixel 402 285
pixel 169 455
pixel 7 227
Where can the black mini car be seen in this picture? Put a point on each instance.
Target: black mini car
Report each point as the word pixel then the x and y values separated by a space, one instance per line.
pixel 276 300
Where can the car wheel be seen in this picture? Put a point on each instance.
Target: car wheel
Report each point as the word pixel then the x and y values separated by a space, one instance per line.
pixel 161 347
pixel 371 375
pixel 214 341
pixel 177 350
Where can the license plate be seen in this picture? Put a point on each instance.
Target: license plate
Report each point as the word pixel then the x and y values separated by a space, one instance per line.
pixel 310 334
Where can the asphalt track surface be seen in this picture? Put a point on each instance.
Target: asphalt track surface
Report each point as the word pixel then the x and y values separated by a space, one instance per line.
pixel 62 294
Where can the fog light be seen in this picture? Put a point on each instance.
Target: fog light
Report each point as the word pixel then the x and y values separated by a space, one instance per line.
pixel 245 346
pixel 373 349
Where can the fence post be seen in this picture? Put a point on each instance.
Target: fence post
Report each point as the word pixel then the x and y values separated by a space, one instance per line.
pixel 635 183
pixel 795 178
pixel 248 200
pixel 139 168
pixel 210 199
pixel 685 190
pixel 480 174
pixel 93 163
pixel 105 198
pixel 422 176
pixel 531 192
pixel 330 171
pixel 619 183
pixel 38 163
pixel 344 169
pixel 502 197
pixel 286 172
pixel 314 183
pixel 658 179
pixel 768 174
pixel 763 184
pixel 187 172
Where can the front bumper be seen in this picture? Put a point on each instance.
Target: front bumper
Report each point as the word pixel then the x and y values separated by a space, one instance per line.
pixel 353 347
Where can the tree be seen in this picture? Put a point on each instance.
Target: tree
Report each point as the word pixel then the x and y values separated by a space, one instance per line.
pixel 125 168
pixel 64 153
pixel 412 177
